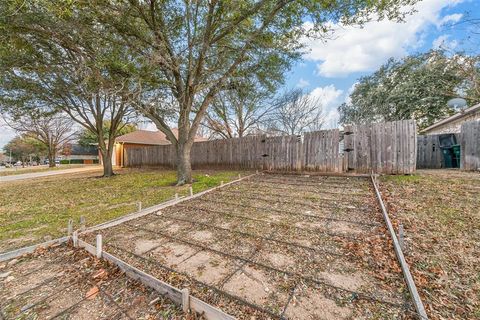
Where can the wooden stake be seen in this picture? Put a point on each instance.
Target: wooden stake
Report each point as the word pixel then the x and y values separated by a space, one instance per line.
pixel 99 246
pixel 70 227
pixel 82 223
pixel 75 239
pixel 185 300
pixel 176 196
pixel 221 183
pixel 239 176
pixel 191 191
pixel 139 204
pixel 256 171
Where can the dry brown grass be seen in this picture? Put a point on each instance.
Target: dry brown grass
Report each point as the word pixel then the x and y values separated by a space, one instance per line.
pixel 440 211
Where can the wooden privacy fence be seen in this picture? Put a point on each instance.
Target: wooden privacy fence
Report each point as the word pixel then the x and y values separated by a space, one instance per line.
pixel 470 146
pixel 429 154
pixel 382 148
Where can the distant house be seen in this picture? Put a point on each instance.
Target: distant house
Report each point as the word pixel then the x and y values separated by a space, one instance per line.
pixel 76 153
pixel 453 123
pixel 140 138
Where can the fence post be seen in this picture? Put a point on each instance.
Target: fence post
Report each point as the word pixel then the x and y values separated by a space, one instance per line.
pixel 99 246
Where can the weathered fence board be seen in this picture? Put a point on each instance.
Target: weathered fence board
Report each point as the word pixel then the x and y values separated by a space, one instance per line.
pixel 470 146
pixel 388 147
pixel 429 154
pixel 382 148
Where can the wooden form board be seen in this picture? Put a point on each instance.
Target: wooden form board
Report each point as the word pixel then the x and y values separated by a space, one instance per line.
pixel 20 252
pixel 174 294
pixel 412 288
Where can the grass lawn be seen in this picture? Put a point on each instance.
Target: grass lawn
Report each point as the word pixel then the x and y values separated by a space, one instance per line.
pixel 32 211
pixel 440 211
pixel 13 171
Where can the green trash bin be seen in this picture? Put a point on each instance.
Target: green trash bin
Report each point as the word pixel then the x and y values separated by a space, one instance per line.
pixel 447 157
pixel 456 155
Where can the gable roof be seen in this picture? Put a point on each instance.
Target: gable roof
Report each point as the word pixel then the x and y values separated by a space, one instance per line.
pixel 149 137
pixel 456 116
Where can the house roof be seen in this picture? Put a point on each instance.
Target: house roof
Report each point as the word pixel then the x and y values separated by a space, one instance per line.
pixel 454 117
pixel 149 137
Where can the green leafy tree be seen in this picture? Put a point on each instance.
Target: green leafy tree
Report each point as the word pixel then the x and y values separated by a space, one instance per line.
pixel 51 131
pixel 86 137
pixel 24 148
pixel 55 57
pixel 416 87
pixel 196 49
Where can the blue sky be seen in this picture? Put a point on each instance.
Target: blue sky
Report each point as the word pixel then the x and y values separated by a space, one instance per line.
pixel 330 69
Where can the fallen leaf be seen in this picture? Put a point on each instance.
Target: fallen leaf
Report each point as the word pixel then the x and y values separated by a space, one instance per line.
pixel 92 293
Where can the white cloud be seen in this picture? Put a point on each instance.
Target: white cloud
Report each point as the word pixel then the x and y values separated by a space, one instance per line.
pixel 302 83
pixel 451 18
pixel 330 98
pixel 443 43
pixel 6 134
pixel 357 49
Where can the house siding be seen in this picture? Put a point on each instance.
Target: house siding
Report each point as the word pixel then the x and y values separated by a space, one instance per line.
pixel 453 126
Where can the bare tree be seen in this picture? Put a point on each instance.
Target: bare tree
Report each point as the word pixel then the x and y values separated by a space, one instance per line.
pixel 51 130
pixel 238 112
pixel 297 112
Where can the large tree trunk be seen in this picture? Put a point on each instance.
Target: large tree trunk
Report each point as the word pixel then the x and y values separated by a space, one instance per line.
pixel 184 166
pixel 51 158
pixel 107 163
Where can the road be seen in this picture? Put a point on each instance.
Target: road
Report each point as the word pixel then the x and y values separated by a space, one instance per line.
pixel 34 175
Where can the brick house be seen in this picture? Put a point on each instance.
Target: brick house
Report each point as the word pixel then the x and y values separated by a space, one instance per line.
pixel 140 138
pixel 453 123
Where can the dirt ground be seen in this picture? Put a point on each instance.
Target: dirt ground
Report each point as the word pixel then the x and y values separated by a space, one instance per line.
pixel 274 246
pixel 439 210
pixel 63 283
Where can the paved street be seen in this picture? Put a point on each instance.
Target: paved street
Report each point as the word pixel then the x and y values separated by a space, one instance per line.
pixel 34 175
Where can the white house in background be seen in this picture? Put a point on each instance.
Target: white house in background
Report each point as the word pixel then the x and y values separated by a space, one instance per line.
pixel 454 123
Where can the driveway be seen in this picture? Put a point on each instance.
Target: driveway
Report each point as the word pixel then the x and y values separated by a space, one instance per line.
pixel 34 175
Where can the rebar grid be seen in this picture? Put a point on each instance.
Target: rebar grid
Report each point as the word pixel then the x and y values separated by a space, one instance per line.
pixel 196 281
pixel 292 244
pixel 218 212
pixel 300 203
pixel 264 266
pixel 311 201
pixel 308 189
pixel 249 206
